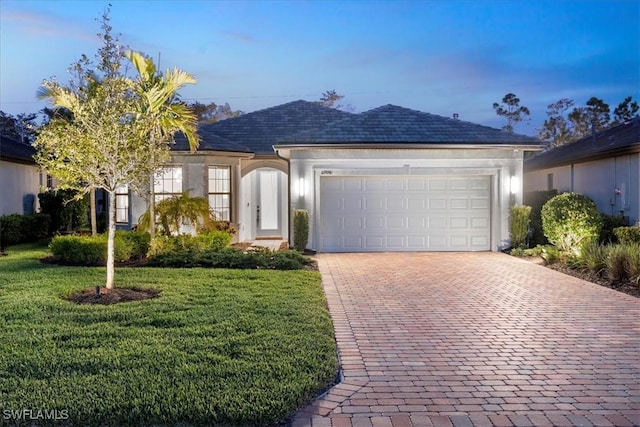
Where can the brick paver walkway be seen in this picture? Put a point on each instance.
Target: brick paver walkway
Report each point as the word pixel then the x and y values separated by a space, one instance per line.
pixel 475 339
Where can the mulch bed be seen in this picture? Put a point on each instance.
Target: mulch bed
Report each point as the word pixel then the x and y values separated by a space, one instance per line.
pixel 626 286
pixel 112 296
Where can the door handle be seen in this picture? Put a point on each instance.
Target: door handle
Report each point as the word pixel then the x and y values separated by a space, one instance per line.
pixel 258 214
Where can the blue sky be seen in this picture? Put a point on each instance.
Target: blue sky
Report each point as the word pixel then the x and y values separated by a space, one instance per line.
pixel 438 56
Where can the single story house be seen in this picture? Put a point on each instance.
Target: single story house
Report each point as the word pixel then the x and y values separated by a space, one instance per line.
pixel 604 166
pixel 20 177
pixel 389 179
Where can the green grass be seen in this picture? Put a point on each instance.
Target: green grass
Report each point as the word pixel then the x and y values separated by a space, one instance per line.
pixel 218 347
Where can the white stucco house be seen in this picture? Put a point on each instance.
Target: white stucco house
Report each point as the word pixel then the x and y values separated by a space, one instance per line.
pixel 389 179
pixel 604 166
pixel 20 178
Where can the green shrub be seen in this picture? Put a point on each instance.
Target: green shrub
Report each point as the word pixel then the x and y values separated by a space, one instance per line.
pixel 592 257
pixel 550 254
pixel 137 241
pixel 300 229
pixel 10 230
pixel 632 261
pixel 616 262
pixel 626 235
pixel 610 223
pixel 15 229
pixel 262 258
pixel 632 267
pixel 35 227
pixel 213 241
pixel 519 219
pixel 570 220
pixel 67 212
pixel 537 199
pixel 91 250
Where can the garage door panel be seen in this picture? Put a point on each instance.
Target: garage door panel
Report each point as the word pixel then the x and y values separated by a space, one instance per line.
pixel 436 222
pixel 396 242
pixel 353 223
pixel 435 203
pixel 375 222
pixel 459 203
pixel 375 204
pixel 356 185
pixel 374 184
pixel 396 222
pixel 353 204
pixel 416 213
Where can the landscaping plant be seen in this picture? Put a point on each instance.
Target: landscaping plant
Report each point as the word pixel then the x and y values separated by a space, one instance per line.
pixel 627 235
pixel 571 220
pixel 300 229
pixel 519 219
pixel 537 199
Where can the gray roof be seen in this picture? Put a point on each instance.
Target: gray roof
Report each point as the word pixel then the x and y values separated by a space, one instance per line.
pixel 258 131
pixel 16 151
pixel 617 140
pixel 208 142
pixel 391 124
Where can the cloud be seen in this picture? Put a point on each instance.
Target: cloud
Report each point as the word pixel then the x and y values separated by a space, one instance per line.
pixel 238 36
pixel 39 25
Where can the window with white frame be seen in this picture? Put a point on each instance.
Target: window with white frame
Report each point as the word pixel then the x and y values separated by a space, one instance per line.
pixel 122 203
pixel 168 183
pixel 220 192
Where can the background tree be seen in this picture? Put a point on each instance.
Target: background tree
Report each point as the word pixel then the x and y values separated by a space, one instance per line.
pixel 511 110
pixel 598 113
pixel 625 111
pixel 556 129
pixel 211 113
pixel 113 137
pixel 329 99
pixel 22 127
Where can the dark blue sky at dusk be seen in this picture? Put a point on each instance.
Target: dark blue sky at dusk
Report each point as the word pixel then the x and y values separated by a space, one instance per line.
pixel 441 57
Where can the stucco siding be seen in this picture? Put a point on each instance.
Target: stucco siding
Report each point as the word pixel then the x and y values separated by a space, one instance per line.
pixel 613 183
pixel 308 167
pixel 20 187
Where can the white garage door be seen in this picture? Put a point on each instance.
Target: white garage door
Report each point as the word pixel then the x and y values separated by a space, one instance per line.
pixel 415 213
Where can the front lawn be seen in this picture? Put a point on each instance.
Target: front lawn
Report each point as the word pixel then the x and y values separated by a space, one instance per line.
pixel 218 347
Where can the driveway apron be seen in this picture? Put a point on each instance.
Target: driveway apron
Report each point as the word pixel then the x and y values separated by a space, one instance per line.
pixel 475 339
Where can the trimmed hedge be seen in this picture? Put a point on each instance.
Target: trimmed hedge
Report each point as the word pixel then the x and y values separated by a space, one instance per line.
pixel 213 240
pixel 231 258
pixel 92 250
pixel 16 229
pixel 300 229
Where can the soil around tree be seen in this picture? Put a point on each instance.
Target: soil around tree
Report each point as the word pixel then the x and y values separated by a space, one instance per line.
pixel 112 296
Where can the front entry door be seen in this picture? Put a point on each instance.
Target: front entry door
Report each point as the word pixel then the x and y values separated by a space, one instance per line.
pixel 268 206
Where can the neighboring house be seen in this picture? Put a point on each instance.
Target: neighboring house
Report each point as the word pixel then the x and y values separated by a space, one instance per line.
pixel 604 166
pixel 20 178
pixel 389 179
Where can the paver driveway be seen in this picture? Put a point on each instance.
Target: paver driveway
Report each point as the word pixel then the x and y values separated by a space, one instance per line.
pixel 475 339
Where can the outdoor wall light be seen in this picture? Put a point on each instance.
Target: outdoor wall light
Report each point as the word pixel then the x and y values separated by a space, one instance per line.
pixel 514 184
pixel 301 187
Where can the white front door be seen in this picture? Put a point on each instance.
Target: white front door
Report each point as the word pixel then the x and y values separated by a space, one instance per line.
pixel 268 204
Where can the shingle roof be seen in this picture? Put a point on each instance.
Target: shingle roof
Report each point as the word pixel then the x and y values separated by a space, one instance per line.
pixel 391 124
pixel 16 151
pixel 621 139
pixel 208 142
pixel 258 131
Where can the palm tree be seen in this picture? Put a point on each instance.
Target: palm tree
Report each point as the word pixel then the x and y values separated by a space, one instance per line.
pixel 160 106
